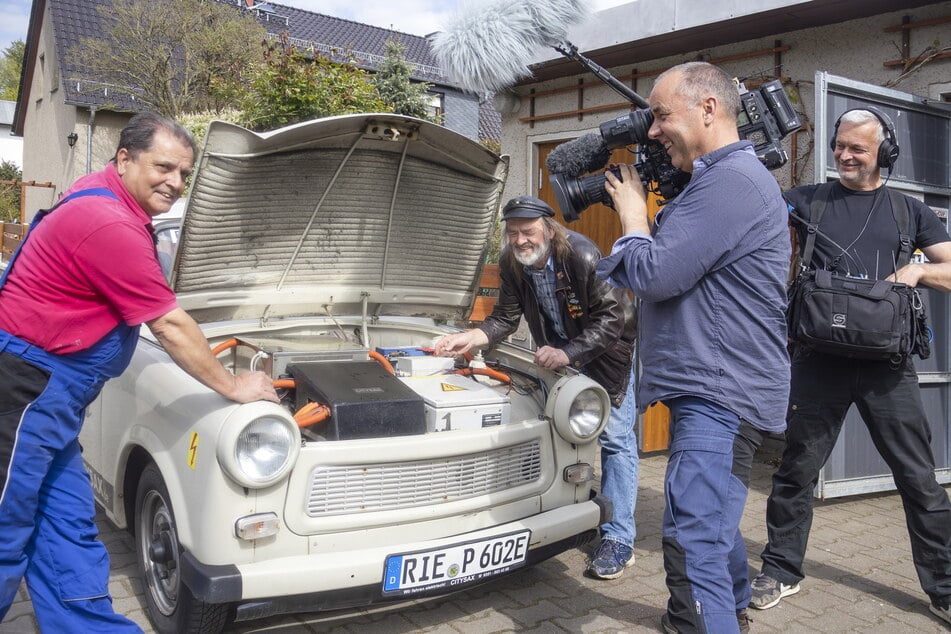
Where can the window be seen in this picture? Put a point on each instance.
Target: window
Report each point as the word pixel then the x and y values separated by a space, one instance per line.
pixel 436 105
pixel 42 74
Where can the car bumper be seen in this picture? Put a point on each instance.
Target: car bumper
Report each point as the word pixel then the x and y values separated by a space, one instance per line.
pixel 312 583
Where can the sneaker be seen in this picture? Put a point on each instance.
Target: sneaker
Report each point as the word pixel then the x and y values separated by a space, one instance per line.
pixel 610 559
pixel 742 621
pixel 767 592
pixel 943 612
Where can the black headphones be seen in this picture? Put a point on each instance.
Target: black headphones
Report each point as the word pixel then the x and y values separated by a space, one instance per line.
pixel 888 149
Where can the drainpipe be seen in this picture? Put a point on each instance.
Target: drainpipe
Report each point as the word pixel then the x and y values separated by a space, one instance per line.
pixel 92 118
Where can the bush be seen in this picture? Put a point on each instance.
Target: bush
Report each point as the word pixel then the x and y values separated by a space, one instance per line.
pixel 197 122
pixel 292 86
pixel 10 194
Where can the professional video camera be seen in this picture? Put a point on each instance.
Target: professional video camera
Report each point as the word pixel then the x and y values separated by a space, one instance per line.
pixel 766 117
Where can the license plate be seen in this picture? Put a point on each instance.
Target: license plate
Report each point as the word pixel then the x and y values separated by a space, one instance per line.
pixel 454 566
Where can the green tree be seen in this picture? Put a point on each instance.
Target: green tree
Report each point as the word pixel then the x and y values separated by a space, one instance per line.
pixel 11 62
pixel 397 90
pixel 9 193
pixel 290 86
pixel 176 56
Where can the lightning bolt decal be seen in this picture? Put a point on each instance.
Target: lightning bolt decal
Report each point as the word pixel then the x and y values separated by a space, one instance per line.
pixel 193 450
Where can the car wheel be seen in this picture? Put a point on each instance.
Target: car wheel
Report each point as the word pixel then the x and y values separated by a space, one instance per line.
pixel 172 607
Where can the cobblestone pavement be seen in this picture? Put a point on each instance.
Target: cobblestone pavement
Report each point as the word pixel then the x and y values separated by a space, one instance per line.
pixel 859 561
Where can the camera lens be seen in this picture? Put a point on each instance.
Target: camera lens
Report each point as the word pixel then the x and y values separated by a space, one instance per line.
pixel 574 195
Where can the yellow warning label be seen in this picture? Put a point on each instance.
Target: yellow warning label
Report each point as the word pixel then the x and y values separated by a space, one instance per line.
pixel 449 387
pixel 193 450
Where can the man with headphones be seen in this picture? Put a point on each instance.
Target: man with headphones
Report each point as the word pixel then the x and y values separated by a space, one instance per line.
pixel 577 321
pixel 858 236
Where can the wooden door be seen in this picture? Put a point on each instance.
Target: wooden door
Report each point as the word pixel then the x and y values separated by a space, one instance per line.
pixel 601 224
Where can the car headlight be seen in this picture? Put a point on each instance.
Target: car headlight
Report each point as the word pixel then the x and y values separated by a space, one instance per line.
pixel 261 448
pixel 579 407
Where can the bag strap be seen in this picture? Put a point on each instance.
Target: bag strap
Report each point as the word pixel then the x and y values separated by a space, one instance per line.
pixel 816 208
pixel 92 191
pixel 42 213
pixel 82 193
pixel 901 213
pixel 820 201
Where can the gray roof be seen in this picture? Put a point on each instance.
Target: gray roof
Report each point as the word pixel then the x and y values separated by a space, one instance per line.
pixel 74 20
pixel 490 121
pixel 366 42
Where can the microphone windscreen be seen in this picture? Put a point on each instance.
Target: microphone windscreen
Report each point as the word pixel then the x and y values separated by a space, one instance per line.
pixel 587 153
pixel 486 46
pixel 553 17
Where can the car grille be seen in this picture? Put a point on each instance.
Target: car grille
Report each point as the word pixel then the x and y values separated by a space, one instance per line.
pixel 390 486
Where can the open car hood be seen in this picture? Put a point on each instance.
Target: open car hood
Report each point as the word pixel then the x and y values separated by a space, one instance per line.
pixel 375 213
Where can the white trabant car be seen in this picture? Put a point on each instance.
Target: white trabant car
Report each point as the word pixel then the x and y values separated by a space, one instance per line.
pixel 332 254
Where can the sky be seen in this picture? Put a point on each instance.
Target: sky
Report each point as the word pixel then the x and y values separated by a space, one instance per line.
pixel 417 17
pixel 16 19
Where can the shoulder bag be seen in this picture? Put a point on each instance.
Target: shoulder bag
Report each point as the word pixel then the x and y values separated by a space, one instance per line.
pixel 857 317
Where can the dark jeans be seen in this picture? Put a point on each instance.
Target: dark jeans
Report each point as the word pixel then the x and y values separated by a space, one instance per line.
pixel 706 485
pixel 889 401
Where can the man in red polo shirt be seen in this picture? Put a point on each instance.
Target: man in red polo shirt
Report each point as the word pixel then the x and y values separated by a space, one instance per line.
pixel 71 303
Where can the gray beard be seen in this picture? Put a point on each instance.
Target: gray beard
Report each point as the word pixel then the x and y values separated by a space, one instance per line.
pixel 533 258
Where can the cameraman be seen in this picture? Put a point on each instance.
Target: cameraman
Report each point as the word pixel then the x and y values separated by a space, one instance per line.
pixel 711 278
pixel 858 236
pixel 578 321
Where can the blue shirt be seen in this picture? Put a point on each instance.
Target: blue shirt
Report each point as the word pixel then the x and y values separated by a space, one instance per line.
pixel 712 284
pixel 544 282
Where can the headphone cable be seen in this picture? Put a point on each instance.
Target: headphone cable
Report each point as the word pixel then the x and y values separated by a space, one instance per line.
pixel 844 251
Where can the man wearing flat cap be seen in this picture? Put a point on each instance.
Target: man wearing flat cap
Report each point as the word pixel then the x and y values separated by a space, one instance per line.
pixel 576 320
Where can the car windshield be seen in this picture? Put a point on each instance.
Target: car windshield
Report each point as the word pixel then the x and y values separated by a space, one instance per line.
pixel 166 242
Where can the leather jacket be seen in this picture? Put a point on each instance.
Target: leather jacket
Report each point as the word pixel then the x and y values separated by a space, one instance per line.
pixel 599 319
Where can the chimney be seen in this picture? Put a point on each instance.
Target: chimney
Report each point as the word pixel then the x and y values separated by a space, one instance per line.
pixel 249 4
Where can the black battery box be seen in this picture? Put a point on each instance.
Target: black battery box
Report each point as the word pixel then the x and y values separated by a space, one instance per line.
pixel 365 400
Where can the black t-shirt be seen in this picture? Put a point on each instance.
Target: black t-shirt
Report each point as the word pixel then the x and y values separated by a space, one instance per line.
pixel 855 239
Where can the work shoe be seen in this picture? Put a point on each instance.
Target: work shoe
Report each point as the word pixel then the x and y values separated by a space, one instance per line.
pixel 943 612
pixel 767 592
pixel 610 559
pixel 742 621
pixel 666 625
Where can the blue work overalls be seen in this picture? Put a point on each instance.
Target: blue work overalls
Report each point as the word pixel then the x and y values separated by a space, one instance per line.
pixel 47 511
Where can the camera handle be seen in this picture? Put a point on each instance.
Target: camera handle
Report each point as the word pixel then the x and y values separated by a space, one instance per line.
pixel 570 51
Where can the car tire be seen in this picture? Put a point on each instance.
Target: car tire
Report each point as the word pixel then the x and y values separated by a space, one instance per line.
pixel 172 607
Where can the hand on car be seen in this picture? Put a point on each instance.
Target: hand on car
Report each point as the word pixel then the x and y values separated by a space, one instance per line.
pixel 551 358
pixel 254 386
pixel 460 343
